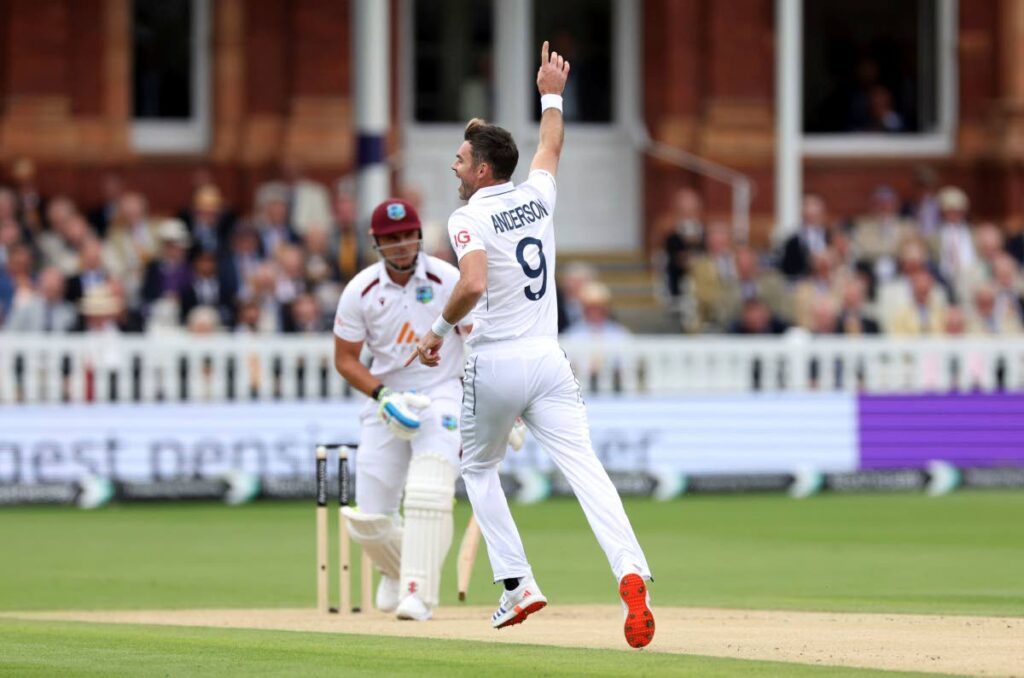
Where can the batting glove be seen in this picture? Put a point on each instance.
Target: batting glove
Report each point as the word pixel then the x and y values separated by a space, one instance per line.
pixel 517 435
pixel 399 412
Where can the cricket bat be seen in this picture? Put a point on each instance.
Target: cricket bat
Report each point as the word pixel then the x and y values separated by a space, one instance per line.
pixel 467 556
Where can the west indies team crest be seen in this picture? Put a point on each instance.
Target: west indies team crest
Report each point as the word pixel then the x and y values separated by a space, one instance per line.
pixel 425 294
pixel 396 211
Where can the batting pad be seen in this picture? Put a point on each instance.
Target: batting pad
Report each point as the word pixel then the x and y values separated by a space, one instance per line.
pixel 379 537
pixel 429 495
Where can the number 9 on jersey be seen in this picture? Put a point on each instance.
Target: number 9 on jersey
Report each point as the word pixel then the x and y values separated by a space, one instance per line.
pixel 533 272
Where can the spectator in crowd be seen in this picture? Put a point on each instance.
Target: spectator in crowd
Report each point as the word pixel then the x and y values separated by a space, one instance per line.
pixel 272 219
pixel 208 221
pixel 597 322
pixel 244 257
pixel 757 318
pixel 753 280
pixel 102 310
pixel 878 234
pixel 305 317
pixel 575 277
pixel 1015 243
pixel 351 254
pixel 599 329
pixel 991 315
pixel 6 293
pixel 60 246
pixel 91 269
pixel 841 245
pixel 102 317
pixel 824 282
pixel 711 274
pixel 10 236
pixel 203 321
pixel 852 319
pixel 103 215
pixel 956 321
pixel 43 308
pixel 307 200
pixel 823 316
pixel 953 244
pixel 291 274
pixel 31 205
pixel 131 243
pixel 900 272
pixel 811 237
pixel 882 115
pixel 16 279
pixel 988 244
pixel 683 231
pixel 1008 282
pixel 247 318
pixel 323 279
pixel 925 312
pixel 168 276
pixel 262 290
pixel 9 215
pixel 320 266
pixel 925 209
pixel 58 211
pixel 209 287
pixel 896 294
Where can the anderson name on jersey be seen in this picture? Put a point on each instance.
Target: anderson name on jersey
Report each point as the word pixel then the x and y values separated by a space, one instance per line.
pixel 514 226
pixel 390 319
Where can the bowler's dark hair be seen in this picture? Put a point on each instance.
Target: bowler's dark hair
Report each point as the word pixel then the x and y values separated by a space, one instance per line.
pixel 493 145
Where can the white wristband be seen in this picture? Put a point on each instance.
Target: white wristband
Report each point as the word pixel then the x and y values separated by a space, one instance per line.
pixel 441 326
pixel 550 101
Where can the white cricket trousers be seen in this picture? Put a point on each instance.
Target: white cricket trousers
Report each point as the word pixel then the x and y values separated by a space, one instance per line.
pixel 532 378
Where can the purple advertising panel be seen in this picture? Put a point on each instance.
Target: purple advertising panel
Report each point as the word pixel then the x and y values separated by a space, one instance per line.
pixel 964 430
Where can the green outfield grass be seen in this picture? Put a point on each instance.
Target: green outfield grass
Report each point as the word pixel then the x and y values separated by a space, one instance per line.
pixel 901 553
pixel 959 554
pixel 67 649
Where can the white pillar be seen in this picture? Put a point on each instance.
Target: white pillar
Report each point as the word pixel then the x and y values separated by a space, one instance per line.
pixel 788 115
pixel 372 86
pixel 515 59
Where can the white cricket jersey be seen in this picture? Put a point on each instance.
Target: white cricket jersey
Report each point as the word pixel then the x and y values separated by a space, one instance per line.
pixel 390 319
pixel 514 226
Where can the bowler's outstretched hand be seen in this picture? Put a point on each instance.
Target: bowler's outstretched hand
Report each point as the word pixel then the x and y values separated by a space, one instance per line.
pixel 553 72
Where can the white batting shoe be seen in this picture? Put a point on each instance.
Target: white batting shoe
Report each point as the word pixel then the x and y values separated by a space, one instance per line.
pixel 516 605
pixel 414 609
pixel 387 594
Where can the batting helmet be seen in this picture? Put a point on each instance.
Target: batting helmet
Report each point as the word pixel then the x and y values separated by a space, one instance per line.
pixel 394 216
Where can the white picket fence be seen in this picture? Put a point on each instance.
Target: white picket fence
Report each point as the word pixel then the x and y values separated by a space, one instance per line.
pixel 133 368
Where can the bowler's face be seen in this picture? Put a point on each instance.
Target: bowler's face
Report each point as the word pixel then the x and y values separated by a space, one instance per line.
pixel 464 170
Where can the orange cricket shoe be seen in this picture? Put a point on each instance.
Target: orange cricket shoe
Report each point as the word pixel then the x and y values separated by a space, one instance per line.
pixel 636 601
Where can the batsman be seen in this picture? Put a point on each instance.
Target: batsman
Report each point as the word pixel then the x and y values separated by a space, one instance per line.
pixel 409 442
